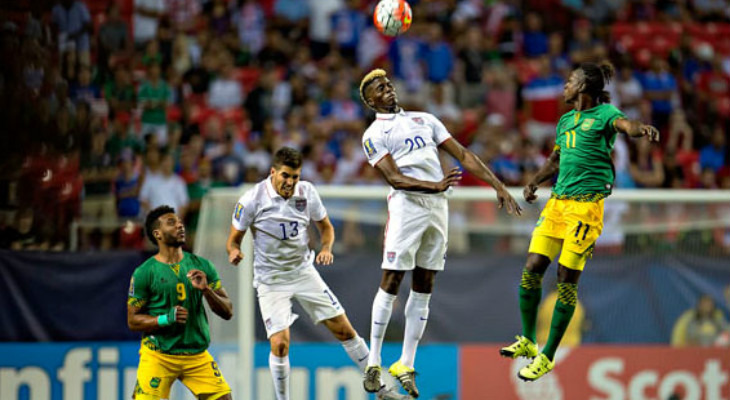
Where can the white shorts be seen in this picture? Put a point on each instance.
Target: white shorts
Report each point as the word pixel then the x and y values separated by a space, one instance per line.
pixel 309 289
pixel 416 232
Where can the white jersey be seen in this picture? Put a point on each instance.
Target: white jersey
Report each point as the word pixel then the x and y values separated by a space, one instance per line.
pixel 412 139
pixel 279 226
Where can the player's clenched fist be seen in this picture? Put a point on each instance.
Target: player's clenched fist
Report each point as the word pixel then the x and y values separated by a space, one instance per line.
pixel 235 256
pixel 181 314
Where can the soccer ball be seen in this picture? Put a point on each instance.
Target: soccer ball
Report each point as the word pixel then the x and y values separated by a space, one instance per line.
pixel 392 17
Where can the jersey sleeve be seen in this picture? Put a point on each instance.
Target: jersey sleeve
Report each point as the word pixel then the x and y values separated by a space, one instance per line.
pixel 317 212
pixel 440 133
pixel 138 289
pixel 214 280
pixel 374 146
pixel 244 211
pixel 612 114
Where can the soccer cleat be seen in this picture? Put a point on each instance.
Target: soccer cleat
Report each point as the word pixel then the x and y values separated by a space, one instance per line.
pixel 540 366
pixel 371 381
pixel 406 376
pixel 523 347
pixel 386 393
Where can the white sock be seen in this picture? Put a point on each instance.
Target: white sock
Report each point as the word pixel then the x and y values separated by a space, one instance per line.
pixel 382 308
pixel 416 319
pixel 279 367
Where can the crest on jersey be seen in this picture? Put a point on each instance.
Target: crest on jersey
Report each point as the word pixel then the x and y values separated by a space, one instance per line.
pixel 300 204
pixel 238 212
pixel 370 148
pixel 268 323
pixel 391 256
pixel 587 124
pixel 418 120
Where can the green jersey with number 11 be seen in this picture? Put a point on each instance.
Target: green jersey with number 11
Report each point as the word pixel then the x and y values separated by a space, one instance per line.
pixel 585 140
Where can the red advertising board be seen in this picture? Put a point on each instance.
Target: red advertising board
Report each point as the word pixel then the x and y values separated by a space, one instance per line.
pixel 601 373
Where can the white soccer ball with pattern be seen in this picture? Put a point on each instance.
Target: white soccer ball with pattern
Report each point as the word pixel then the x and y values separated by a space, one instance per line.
pixel 392 17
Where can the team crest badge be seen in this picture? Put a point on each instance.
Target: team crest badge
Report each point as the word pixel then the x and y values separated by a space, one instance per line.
pixel 370 148
pixel 268 323
pixel 587 124
pixel 391 256
pixel 300 204
pixel 155 383
pixel 418 120
pixel 238 211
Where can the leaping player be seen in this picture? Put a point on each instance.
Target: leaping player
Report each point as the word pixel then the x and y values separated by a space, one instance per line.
pixel 572 219
pixel 279 211
pixel 403 146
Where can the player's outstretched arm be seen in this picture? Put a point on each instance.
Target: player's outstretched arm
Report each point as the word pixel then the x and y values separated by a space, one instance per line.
pixel 233 245
pixel 635 128
pixel 398 181
pixel 473 164
pixel 327 233
pixel 546 172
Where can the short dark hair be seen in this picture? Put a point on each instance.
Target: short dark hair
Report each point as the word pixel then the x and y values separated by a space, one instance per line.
pixel 597 77
pixel 152 221
pixel 287 156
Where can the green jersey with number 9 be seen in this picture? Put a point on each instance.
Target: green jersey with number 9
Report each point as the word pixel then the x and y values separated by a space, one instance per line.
pixel 585 140
pixel 157 287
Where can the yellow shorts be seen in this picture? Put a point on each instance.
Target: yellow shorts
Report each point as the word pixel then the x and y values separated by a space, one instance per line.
pixel 199 372
pixel 569 228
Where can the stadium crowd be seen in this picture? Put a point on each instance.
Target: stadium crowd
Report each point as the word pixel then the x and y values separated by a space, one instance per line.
pixel 111 108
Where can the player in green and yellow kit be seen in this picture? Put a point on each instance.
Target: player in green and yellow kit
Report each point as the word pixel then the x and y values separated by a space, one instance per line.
pixel 166 303
pixel 572 219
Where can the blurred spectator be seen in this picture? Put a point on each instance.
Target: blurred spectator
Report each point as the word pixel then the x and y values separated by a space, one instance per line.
pixel 113 40
pixel 122 140
pixel 438 55
pixel 154 94
pixel 472 60
pixel 196 191
pixel 183 14
pixel 320 25
pixel 147 14
pixel 700 326
pixel 441 106
pixel 713 88
pixel 250 22
pixel 713 155
pixel 98 203
pixel 225 91
pixel 72 21
pixel 661 88
pixel 348 24
pixel 164 188
pixel 543 95
pixel 228 167
pixel 646 168
pixel 84 90
pixel 349 164
pixel 407 55
pixel 26 234
pixel 630 93
pixel 127 187
pixel 535 40
pixel 120 93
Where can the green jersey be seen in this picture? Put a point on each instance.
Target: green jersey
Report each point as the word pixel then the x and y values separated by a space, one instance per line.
pixel 156 287
pixel 585 140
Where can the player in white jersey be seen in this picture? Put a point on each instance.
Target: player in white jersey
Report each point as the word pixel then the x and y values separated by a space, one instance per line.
pixel 403 146
pixel 278 210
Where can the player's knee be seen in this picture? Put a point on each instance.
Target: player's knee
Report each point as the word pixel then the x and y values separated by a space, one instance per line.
pixel 279 347
pixel 537 263
pixel 391 281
